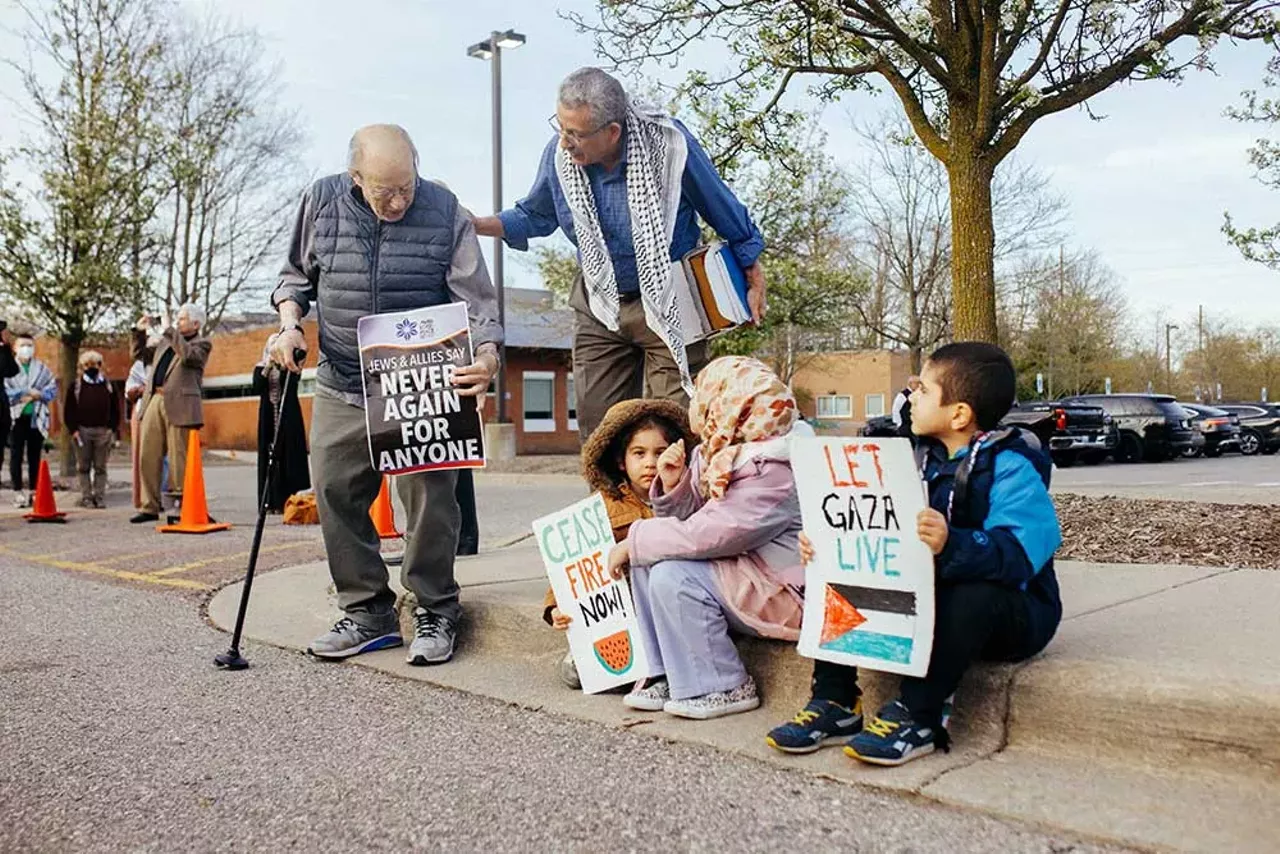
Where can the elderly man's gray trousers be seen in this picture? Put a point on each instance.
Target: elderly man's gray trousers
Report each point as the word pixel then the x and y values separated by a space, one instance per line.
pixel 346 485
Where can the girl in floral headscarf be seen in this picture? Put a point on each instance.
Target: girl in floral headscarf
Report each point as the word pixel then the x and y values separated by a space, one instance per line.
pixel 721 552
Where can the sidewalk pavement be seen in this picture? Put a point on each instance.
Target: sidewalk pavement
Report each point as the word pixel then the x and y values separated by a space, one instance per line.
pixel 1153 718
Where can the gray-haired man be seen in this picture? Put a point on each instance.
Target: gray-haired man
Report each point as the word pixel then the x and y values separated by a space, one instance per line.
pixel 626 184
pixel 378 238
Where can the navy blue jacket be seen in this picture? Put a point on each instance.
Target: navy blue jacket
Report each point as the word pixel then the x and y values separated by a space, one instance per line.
pixel 1003 526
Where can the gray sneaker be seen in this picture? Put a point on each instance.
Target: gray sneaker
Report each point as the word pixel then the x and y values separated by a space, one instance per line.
pixel 348 638
pixel 433 640
pixel 568 671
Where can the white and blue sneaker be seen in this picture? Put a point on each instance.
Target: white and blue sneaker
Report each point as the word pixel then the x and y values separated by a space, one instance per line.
pixel 348 638
pixel 893 738
pixel 819 723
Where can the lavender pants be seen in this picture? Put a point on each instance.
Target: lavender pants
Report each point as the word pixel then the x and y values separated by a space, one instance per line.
pixel 685 624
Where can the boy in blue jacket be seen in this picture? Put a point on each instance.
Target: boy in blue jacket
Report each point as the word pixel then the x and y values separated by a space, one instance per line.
pixel 993 531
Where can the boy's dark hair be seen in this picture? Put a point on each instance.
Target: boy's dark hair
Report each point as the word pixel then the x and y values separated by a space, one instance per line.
pixel 980 375
pixel 669 430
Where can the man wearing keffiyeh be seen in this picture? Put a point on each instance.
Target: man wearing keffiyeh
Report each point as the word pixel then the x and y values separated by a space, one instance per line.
pixel 627 183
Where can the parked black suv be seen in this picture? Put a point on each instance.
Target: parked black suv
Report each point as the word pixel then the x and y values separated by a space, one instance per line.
pixel 1259 426
pixel 1220 429
pixel 1152 426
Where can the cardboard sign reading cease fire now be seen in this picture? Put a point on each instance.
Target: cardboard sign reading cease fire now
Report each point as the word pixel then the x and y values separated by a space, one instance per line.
pixel 603 635
pixel 869 589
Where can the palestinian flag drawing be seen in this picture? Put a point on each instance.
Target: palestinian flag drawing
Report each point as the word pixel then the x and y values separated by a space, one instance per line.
pixel 869 621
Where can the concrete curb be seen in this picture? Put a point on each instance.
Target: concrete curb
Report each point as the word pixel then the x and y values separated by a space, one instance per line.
pixel 1114 710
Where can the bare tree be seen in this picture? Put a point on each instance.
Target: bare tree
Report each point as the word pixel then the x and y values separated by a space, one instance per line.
pixel 1079 321
pixel 231 166
pixel 903 212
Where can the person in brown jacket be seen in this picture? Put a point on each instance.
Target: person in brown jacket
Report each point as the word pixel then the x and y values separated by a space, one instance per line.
pixel 620 461
pixel 171 404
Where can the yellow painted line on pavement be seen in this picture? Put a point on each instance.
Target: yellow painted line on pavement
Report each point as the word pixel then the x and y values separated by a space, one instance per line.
pixel 98 569
pixel 197 564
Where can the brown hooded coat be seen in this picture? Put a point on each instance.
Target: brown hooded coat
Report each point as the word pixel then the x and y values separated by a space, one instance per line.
pixel 604 474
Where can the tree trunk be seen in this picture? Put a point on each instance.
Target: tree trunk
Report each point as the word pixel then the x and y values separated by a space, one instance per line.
pixel 68 360
pixel 973 280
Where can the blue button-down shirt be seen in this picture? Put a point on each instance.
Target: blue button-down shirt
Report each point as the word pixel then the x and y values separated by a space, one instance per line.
pixel 702 192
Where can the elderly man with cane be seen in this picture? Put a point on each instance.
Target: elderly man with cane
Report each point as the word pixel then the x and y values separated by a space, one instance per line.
pixel 626 184
pixel 379 238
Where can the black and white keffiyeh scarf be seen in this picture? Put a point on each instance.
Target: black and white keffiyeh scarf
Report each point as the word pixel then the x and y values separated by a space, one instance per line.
pixel 656 153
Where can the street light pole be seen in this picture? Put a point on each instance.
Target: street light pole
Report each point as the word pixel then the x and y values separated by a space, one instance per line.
pixel 1168 369
pixel 491 49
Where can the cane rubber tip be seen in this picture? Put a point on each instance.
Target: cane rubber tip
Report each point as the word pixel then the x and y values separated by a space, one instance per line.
pixel 231 660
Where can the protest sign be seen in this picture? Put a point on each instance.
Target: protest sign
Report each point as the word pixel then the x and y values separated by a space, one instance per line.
pixel 416 420
pixel 869 589
pixel 603 635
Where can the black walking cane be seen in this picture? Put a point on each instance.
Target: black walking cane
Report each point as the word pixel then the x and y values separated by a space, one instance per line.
pixel 232 659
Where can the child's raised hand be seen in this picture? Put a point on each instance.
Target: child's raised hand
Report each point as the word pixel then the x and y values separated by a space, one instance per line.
pixel 671 465
pixel 559 619
pixel 806 549
pixel 932 528
pixel 619 559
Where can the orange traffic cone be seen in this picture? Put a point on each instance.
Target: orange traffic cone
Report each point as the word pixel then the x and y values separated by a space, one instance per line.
pixel 45 509
pixel 195 512
pixel 382 514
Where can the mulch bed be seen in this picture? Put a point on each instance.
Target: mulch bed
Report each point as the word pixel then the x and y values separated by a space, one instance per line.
pixel 1108 529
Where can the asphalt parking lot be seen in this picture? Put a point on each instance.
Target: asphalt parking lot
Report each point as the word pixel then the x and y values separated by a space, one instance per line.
pixel 1229 479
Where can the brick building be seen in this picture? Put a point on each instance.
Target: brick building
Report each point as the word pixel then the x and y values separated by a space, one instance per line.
pixel 843 389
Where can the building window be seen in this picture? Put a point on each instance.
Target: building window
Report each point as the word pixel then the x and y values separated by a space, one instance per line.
pixel 539 401
pixel 875 405
pixel 835 406
pixel 573 402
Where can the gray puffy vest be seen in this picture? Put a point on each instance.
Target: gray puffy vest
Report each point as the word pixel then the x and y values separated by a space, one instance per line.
pixel 369 267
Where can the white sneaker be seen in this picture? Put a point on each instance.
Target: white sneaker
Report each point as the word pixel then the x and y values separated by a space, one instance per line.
pixel 22 500
pixel 650 696
pixel 744 698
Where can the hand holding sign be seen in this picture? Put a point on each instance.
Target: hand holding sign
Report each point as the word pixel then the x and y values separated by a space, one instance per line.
pixel 473 380
pixel 932 528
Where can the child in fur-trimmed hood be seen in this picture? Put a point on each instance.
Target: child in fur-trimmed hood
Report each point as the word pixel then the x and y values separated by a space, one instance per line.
pixel 721 552
pixel 620 461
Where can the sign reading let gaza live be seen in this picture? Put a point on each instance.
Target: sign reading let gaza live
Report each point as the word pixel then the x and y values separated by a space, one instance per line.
pixel 416 419
pixel 869 589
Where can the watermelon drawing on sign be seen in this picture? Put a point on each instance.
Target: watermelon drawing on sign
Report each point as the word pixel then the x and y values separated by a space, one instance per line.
pixel 614 652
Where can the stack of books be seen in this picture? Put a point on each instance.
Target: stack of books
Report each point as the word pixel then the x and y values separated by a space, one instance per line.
pixel 713 292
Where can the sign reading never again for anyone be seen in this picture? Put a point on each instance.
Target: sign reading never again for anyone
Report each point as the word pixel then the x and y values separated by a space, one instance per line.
pixel 415 417
pixel 603 637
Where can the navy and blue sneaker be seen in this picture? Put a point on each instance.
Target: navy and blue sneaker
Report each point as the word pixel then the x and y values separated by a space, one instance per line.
pixel 892 738
pixel 816 724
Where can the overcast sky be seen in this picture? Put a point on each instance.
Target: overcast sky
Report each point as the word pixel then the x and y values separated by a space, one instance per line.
pixel 1147 186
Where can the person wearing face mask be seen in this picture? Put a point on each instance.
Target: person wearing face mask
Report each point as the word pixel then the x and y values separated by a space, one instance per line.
pixel 29 392
pixel 171 404
pixel 91 412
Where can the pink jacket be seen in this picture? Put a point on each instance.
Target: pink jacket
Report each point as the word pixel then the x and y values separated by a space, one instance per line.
pixel 750 536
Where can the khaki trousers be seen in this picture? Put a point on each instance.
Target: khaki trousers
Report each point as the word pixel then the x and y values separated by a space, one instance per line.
pixel 610 367
pixel 159 437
